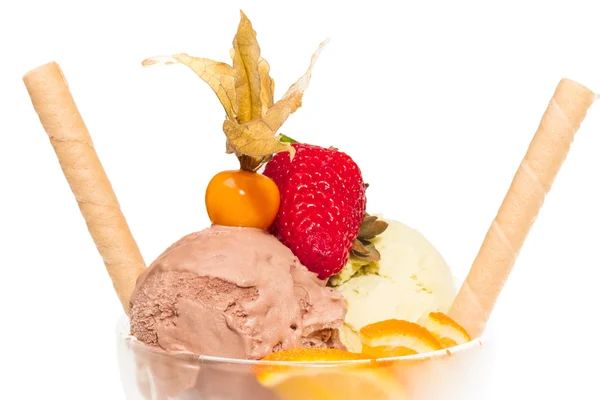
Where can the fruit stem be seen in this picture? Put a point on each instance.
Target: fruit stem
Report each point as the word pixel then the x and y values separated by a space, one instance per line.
pixel 252 164
pixel 287 139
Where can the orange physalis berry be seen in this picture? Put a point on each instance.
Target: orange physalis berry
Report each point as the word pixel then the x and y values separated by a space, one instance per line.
pixel 242 198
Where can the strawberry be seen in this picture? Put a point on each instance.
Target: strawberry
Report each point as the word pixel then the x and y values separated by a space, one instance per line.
pixel 322 205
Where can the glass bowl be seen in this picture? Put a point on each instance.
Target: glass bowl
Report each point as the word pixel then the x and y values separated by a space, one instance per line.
pixel 150 374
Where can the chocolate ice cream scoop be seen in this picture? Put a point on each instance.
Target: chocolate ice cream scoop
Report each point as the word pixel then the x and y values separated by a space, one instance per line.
pixel 233 292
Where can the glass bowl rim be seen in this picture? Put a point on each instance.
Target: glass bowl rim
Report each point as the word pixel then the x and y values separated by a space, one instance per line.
pixel 124 335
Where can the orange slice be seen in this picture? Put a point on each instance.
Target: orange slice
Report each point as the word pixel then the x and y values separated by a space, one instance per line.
pixel 445 329
pixel 396 337
pixel 333 381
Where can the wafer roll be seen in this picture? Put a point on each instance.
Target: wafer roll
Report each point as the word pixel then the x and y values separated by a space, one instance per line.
pixel 81 166
pixel 531 184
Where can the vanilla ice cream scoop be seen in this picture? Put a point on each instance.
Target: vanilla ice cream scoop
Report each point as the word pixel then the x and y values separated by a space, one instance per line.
pixel 410 280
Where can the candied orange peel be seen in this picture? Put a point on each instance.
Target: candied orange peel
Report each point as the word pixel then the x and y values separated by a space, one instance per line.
pixel 303 355
pixel 382 337
pixel 447 331
pixel 394 338
pixel 246 91
pixel 362 380
pixel 337 382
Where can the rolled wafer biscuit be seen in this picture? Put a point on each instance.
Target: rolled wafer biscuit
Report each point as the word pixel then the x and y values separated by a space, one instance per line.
pixel 81 166
pixel 532 182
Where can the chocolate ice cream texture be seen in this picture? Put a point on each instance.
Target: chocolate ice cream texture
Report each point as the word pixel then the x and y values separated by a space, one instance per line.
pixel 233 292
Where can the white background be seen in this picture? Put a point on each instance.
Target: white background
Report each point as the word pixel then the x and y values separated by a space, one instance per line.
pixel 437 104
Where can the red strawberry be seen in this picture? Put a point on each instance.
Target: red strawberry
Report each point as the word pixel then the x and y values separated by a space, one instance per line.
pixel 322 205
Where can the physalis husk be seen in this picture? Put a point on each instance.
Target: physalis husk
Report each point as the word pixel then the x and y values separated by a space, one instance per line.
pixel 246 91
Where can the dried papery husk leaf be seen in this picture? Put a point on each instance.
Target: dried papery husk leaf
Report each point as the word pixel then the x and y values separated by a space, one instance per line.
pixel 371 227
pixel 159 60
pixel 267 86
pixel 254 139
pixel 247 77
pixel 246 91
pixel 362 248
pixel 368 219
pixel 359 247
pixel 367 252
pixel 219 76
pixel 292 100
pixel 229 149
